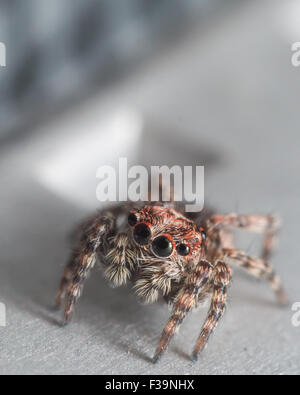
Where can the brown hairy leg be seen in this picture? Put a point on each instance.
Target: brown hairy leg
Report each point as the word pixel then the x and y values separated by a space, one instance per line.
pixel 221 280
pixel 82 261
pixel 260 269
pixel 186 299
pixel 266 224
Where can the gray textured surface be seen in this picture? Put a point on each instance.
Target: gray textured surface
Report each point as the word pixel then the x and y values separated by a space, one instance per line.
pixel 231 91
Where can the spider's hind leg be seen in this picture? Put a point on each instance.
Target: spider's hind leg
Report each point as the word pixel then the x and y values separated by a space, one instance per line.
pixel 258 267
pixel 266 224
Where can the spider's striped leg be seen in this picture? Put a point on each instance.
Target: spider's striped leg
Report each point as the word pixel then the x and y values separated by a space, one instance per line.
pixel 82 261
pixel 259 268
pixel 221 280
pixel 77 239
pixel 266 224
pixel 66 278
pixel 270 239
pixel 186 299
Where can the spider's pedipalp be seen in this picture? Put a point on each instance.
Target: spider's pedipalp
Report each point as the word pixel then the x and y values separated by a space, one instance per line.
pixel 121 260
pixel 156 279
pixel 186 299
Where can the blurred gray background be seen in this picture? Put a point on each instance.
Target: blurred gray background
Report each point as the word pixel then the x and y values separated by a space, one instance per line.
pixel 60 49
pixel 194 82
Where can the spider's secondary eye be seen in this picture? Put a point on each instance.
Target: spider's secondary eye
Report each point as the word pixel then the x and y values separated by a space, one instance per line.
pixel 142 234
pixel 183 249
pixel 203 236
pixel 132 219
pixel 162 246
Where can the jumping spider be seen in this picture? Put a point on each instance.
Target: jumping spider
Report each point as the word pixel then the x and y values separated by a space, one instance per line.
pixel 164 252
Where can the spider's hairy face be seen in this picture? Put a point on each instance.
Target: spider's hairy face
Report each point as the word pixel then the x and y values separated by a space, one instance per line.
pixel 162 234
pixel 159 245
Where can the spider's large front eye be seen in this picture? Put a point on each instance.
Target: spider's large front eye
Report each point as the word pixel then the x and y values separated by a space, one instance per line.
pixel 162 246
pixel 142 234
pixel 183 249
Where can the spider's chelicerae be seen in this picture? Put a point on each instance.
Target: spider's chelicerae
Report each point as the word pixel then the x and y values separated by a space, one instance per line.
pixel 163 252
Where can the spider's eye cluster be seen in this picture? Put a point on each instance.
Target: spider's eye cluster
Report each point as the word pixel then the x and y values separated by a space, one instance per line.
pixel 162 246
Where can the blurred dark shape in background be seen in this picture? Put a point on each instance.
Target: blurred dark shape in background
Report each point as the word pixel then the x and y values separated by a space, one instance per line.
pixel 57 50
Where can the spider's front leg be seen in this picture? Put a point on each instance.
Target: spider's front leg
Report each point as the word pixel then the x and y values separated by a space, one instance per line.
pixel 186 299
pixel 83 260
pixel 221 280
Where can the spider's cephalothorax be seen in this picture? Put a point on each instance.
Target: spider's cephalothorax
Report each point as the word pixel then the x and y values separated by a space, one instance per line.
pixel 164 244
pixel 164 253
